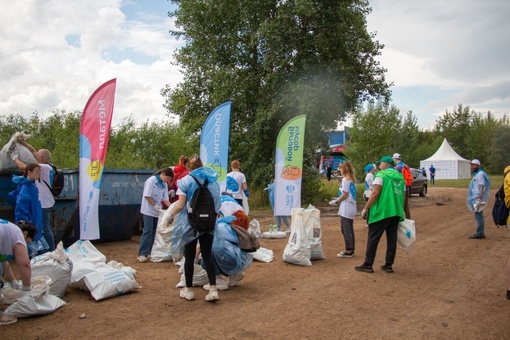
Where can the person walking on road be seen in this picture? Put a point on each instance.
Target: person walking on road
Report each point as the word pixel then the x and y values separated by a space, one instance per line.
pixel 478 197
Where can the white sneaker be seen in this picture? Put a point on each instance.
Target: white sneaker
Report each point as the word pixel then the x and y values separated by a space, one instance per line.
pixel 212 296
pixel 187 294
pixel 287 231
pixel 142 258
pixel 220 285
pixel 232 280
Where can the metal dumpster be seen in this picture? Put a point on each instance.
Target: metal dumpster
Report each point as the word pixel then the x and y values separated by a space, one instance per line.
pixel 119 204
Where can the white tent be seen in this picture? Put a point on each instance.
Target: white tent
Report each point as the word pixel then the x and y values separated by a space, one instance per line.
pixel 448 163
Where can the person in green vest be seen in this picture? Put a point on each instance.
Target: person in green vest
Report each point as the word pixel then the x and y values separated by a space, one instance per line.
pixel 386 206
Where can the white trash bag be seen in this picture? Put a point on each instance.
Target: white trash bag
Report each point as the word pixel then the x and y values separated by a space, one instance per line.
pixel 162 247
pixel 298 250
pixel 255 228
pixel 406 235
pixel 24 154
pixel 57 265
pixel 263 255
pixel 37 301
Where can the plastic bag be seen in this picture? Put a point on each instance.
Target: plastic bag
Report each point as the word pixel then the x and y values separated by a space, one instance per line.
pixel 406 235
pixel 263 255
pixel 24 154
pixel 57 265
pixel 255 228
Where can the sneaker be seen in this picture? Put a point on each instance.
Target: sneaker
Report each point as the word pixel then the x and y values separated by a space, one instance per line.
pixel 232 280
pixel 364 268
pixel 477 237
pixel 345 254
pixel 287 231
pixel 220 285
pixel 142 258
pixel 387 268
pixel 187 294
pixel 212 296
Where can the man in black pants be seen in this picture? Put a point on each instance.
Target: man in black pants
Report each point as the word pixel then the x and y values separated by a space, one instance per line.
pixel 386 206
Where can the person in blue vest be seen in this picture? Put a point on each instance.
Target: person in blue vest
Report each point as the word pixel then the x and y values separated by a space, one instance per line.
pixel 432 172
pixel 478 197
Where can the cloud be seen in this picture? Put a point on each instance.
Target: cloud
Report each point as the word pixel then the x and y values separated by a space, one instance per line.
pixel 56 53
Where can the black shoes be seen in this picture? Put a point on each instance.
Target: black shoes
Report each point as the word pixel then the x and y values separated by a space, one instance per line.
pixel 476 237
pixel 364 268
pixel 387 268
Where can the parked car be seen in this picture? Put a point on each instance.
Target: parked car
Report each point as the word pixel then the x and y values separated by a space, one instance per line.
pixel 419 183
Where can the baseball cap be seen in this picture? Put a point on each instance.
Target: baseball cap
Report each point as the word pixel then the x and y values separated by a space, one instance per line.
pixel 396 155
pixel 369 167
pixel 476 161
pixel 386 159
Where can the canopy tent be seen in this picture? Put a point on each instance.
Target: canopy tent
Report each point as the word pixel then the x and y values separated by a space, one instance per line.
pixel 448 163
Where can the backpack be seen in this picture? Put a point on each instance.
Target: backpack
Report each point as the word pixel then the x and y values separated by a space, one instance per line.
pixel 247 241
pixel 408 176
pixel 201 211
pixel 58 181
pixel 500 211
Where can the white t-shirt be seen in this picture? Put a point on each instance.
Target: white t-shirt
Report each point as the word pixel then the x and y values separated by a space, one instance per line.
pixel 369 180
pixel 45 195
pixel 347 207
pixel 10 235
pixel 234 184
pixel 158 191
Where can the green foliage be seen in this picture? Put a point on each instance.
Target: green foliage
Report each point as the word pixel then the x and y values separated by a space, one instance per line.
pixel 274 60
pixel 148 146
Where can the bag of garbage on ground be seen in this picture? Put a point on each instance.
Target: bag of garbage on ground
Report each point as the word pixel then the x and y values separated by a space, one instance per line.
pixel 92 274
pixel 162 247
pixel 406 235
pixel 225 248
pixel 57 265
pixel 313 223
pixel 199 275
pixel 263 255
pixel 255 228
pixel 274 233
pixel 6 163
pixel 298 250
pixel 37 301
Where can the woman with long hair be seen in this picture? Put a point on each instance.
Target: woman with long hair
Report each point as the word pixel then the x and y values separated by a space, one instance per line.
pixel 347 209
pixel 191 236
pixel 155 193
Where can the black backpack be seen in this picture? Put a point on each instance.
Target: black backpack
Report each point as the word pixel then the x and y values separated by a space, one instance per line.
pixel 58 181
pixel 500 211
pixel 201 211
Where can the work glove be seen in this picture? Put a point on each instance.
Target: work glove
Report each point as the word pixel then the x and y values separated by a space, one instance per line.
pixel 477 205
pixel 171 193
pixel 364 214
pixel 332 203
pixel 15 284
pixel 158 208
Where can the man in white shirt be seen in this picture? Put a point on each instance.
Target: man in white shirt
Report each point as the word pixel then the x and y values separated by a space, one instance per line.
pixel 236 183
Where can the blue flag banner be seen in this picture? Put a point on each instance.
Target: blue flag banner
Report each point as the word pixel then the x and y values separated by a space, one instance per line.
pixel 214 141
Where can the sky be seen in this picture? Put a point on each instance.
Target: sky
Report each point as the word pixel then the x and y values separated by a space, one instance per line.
pixel 55 53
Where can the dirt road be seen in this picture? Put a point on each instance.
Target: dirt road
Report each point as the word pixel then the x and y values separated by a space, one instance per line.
pixel 448 287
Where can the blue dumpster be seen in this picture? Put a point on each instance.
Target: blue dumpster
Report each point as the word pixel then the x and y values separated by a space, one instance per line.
pixel 119 204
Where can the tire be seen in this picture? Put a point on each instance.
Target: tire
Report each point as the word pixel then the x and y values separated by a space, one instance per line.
pixel 423 191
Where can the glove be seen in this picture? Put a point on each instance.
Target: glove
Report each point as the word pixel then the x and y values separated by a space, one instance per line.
pixel 477 205
pixel 171 193
pixel 25 288
pixel 14 154
pixel 364 214
pixel 169 219
pixel 15 284
pixel 246 193
pixel 332 203
pixel 158 208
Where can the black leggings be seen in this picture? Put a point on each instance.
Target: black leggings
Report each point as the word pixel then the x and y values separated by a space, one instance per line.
pixel 190 251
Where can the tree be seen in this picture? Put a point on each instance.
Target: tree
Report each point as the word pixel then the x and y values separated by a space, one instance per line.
pixel 374 134
pixel 274 60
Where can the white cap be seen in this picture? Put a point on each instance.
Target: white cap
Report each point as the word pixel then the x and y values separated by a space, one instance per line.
pixel 476 161
pixel 396 155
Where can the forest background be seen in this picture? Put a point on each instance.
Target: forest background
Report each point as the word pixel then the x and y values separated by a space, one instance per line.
pixel 275 60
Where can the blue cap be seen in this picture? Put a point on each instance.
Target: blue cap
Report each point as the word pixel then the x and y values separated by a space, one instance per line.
pixel 369 167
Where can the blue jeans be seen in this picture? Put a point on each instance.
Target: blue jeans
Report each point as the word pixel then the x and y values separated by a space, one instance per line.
pixel 46 230
pixel 148 234
pixel 480 223
pixel 280 220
